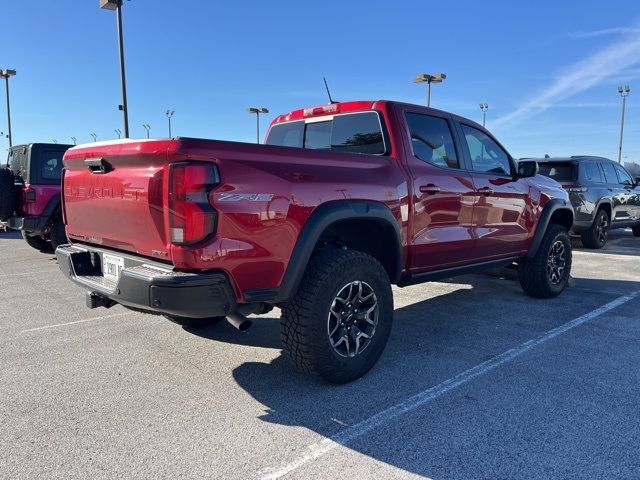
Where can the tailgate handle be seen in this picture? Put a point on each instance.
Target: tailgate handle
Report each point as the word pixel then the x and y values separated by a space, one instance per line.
pixel 98 165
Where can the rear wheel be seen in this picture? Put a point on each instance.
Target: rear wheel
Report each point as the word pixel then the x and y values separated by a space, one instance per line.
pixel 547 273
pixel 37 242
pixel 195 322
pixel 596 236
pixel 636 230
pixel 338 322
pixel 57 234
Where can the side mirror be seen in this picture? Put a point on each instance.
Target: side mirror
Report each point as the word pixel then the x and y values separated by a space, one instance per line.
pixel 527 168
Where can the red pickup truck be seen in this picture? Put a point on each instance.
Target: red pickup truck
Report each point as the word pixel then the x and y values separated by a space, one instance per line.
pixel 343 200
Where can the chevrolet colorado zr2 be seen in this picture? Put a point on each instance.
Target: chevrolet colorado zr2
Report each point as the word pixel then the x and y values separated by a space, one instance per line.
pixel 342 201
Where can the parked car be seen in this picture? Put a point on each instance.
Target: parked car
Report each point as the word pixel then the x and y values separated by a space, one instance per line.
pixel 30 194
pixel 603 194
pixel 343 201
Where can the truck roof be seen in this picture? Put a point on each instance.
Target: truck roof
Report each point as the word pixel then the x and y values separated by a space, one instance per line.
pixel 351 106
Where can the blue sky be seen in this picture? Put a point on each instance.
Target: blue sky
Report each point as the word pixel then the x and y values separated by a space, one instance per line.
pixel 548 69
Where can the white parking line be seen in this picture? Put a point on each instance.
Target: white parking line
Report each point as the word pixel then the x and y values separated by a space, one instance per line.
pixel 349 434
pixel 77 321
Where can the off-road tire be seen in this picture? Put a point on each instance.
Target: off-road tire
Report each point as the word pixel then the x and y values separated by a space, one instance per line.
pixel 8 194
pixel 189 322
pixel 636 230
pixel 304 323
pixel 532 272
pixel 37 242
pixel 592 238
pixel 57 235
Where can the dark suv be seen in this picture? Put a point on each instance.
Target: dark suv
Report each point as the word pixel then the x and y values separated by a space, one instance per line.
pixel 30 193
pixel 603 194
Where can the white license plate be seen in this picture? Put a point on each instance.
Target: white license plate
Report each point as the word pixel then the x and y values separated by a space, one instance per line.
pixel 112 266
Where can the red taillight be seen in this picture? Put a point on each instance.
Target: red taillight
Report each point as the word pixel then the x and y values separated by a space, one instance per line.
pixel 191 217
pixel 29 195
pixel 575 188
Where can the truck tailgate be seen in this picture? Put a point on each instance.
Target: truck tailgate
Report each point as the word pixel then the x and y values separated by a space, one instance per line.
pixel 113 196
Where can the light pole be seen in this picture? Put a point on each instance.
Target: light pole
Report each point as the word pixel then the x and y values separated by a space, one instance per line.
pixel 95 137
pixel 429 78
pixel 6 73
pixel 117 6
pixel 75 140
pixel 169 115
pixel 147 127
pixel 484 107
pixel 257 111
pixel 118 132
pixel 624 92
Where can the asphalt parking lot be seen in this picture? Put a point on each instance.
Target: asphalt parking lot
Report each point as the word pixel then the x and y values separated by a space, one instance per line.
pixel 478 381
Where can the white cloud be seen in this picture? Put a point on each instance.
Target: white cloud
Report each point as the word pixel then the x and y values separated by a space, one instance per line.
pixel 583 75
pixel 603 32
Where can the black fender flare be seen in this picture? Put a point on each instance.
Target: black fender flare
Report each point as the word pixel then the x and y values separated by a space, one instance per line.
pixel 552 206
pixel 52 206
pixel 322 217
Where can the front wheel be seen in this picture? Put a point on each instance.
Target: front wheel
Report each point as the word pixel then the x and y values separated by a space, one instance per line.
pixel 547 273
pixel 338 322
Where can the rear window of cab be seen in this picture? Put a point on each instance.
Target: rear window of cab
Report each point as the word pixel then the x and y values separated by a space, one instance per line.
pixel 349 132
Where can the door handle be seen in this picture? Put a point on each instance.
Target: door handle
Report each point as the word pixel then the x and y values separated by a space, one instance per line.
pixel 486 191
pixel 430 189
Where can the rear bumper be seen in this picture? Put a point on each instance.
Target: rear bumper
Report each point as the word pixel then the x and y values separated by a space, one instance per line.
pixel 147 285
pixel 34 225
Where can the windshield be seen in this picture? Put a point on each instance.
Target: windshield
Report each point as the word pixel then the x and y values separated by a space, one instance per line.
pixel 351 132
pixel 560 172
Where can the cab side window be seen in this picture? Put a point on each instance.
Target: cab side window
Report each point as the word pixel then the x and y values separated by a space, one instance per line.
pixel 431 140
pixel 486 155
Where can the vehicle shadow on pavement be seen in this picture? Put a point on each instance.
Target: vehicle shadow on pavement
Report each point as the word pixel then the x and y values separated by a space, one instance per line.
pixel 10 234
pixel 432 340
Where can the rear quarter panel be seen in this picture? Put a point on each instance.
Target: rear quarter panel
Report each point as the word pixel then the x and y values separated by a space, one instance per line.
pixel 266 195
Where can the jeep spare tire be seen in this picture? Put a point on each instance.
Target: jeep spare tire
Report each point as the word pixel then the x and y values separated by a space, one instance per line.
pixel 8 197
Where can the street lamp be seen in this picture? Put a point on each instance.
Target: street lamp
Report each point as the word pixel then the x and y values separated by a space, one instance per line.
pixel 118 132
pixel 257 111
pixel 429 78
pixel 624 92
pixel 147 127
pixel 484 107
pixel 6 73
pixel 95 137
pixel 169 115
pixel 75 140
pixel 117 6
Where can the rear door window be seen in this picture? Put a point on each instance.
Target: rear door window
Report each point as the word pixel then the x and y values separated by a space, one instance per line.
pixel 609 172
pixel 349 132
pixel 591 172
pixel 431 140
